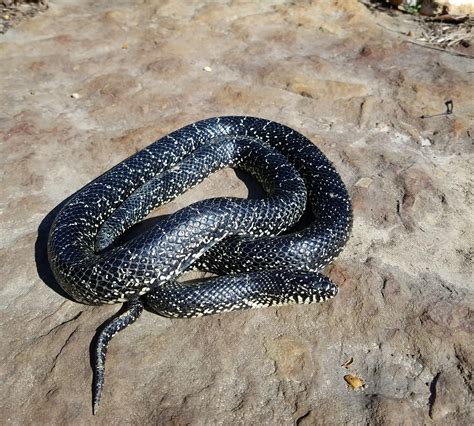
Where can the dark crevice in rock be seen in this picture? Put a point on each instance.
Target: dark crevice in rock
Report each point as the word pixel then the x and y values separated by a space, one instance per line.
pixel 304 416
pixel 445 286
pixel 432 398
pixel 384 284
pixel 75 317
pixel 51 392
pixel 62 348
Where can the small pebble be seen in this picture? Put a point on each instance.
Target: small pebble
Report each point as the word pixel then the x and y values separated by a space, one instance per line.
pixel 425 142
pixel 207 69
pixel 125 45
pixel 75 96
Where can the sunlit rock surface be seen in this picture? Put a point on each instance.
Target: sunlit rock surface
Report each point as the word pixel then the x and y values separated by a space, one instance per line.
pixel 85 84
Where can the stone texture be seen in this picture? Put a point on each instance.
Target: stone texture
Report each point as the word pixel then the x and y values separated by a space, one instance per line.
pixel 326 68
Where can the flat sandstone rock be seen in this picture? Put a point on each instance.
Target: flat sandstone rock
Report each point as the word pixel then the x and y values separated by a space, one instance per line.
pixel 85 84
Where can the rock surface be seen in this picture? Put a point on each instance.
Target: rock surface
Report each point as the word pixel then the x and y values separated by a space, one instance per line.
pixel 85 84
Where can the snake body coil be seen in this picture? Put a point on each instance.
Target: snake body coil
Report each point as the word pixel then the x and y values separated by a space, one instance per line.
pixel 239 239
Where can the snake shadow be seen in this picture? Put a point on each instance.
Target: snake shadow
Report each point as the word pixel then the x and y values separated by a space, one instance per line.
pixel 41 251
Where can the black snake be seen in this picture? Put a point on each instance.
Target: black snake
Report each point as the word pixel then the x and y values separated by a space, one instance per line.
pixel 239 239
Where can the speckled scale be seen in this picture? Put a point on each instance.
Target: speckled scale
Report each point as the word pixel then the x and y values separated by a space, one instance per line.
pixel 224 235
pixel 237 292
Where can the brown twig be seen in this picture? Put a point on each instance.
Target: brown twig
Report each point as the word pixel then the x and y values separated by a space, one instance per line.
pixel 451 52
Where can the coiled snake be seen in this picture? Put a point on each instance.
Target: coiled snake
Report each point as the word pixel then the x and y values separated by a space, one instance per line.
pixel 239 239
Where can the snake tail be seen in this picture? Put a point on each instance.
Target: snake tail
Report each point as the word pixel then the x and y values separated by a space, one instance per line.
pixel 133 310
